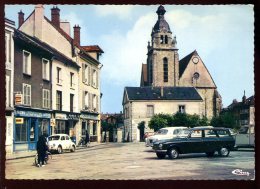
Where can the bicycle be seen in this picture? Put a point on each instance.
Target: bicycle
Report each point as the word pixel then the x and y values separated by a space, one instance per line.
pixel 46 158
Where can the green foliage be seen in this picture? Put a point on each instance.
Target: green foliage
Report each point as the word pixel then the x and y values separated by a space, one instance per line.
pixel 157 122
pixel 179 119
pixel 224 120
pixel 141 125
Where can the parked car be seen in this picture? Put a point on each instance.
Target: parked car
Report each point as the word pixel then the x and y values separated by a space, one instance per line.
pixel 199 140
pixel 61 142
pixel 162 134
pixel 245 137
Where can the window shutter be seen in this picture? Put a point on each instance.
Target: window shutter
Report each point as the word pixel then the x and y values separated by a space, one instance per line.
pixel 83 73
pixel 96 79
pixel 97 99
pixel 83 100
pixel 89 76
pixel 29 94
pixel 89 101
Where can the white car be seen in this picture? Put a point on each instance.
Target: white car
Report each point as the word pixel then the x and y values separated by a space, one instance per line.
pixel 163 133
pixel 245 137
pixel 61 142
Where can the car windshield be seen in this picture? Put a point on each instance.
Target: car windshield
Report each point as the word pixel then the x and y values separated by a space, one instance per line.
pixel 162 132
pixel 243 130
pixel 56 137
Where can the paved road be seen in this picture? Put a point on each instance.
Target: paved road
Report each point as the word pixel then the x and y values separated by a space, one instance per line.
pixel 132 161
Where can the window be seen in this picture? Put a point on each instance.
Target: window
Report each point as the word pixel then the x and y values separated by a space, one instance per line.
pixel 161 40
pixel 223 133
pixel 86 102
pixel 21 131
pixel 151 72
pixel 94 78
pixel 60 126
pixel 94 101
pixel 46 98
pixel 26 63
pixel 196 75
pixel 196 134
pixel 244 111
pixel 166 39
pixel 85 73
pixel 181 109
pixel 59 100
pixel 71 102
pixel 26 94
pixel 43 126
pixel 59 75
pixel 45 69
pixel 165 70
pixel 71 79
pixel 210 134
pixel 150 110
pixel 8 50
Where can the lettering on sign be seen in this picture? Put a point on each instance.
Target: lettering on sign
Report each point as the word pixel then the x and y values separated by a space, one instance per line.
pixel 19 120
pixel 32 114
pixel 18 99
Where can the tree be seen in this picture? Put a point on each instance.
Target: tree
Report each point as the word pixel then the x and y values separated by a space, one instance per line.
pixel 157 122
pixel 141 125
pixel 193 120
pixel 180 119
pixel 224 120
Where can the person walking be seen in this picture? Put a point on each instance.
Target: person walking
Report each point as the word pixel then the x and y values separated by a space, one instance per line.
pixel 87 139
pixel 41 150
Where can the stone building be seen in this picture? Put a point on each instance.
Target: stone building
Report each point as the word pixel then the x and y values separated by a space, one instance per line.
pixel 180 79
pixel 9 83
pixel 243 112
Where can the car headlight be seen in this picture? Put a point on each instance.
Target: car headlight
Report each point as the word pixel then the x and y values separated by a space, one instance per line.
pixel 160 146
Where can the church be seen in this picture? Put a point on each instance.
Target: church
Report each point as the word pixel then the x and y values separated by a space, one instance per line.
pixel 168 85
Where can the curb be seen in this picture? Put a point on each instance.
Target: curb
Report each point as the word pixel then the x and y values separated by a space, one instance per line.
pixel 13 156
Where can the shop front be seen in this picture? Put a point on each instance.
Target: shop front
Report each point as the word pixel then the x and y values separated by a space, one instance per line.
pixel 89 123
pixel 29 125
pixel 66 123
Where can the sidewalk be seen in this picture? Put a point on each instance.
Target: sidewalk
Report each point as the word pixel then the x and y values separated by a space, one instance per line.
pixel 26 154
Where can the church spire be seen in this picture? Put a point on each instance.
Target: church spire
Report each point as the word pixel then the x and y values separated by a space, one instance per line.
pixel 161 24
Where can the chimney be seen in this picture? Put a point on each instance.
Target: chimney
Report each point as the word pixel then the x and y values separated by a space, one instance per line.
pixel 76 35
pixel 161 91
pixel 38 23
pixel 55 16
pixel 20 18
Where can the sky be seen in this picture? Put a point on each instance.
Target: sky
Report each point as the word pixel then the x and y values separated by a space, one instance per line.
pixel 223 36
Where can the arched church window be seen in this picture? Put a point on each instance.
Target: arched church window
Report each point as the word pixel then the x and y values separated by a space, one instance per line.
pixel 161 40
pixel 166 39
pixel 165 70
pixel 151 72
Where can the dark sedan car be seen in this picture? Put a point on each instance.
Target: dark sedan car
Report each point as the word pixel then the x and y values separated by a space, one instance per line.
pixel 197 140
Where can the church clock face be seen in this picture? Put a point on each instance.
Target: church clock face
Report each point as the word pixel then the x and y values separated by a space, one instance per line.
pixel 195 60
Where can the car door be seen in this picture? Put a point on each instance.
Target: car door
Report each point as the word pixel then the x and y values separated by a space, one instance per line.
pixel 63 142
pixel 242 138
pixel 194 142
pixel 68 144
pixel 210 140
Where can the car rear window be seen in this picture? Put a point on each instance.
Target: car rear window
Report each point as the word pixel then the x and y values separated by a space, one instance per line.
pixel 56 137
pixel 210 133
pixel 196 134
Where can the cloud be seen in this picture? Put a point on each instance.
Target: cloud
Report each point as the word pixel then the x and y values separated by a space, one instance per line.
pixel 126 53
pixel 121 12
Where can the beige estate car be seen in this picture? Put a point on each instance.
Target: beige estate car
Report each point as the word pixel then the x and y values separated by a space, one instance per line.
pixel 60 142
pixel 162 134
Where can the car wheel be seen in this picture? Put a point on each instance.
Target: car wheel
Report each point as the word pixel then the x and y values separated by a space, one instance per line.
pixel 173 153
pixel 59 149
pixel 72 149
pixel 160 155
pixel 224 152
pixel 210 154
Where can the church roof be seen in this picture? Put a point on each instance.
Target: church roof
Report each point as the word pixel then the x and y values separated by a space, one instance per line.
pixel 161 24
pixel 183 63
pixel 162 93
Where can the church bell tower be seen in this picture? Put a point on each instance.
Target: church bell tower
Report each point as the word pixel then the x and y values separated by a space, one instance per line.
pixel 162 56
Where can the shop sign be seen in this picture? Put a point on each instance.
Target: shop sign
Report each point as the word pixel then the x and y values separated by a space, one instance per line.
pixel 18 99
pixel 73 116
pixel 23 113
pixel 53 122
pixel 19 120
pixel 89 116
pixel 61 116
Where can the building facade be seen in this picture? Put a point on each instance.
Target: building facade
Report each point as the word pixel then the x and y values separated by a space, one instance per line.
pixel 9 83
pixel 243 112
pixel 56 82
pixel 164 71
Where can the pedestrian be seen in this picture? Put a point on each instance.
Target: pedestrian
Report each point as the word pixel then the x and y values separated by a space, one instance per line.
pixel 41 150
pixel 87 139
